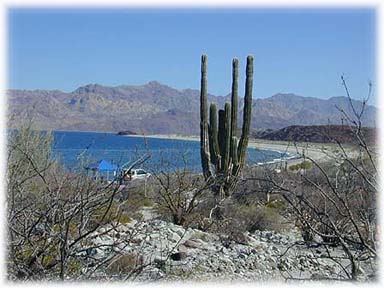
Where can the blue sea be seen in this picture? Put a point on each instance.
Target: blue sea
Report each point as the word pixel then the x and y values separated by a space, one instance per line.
pixel 77 150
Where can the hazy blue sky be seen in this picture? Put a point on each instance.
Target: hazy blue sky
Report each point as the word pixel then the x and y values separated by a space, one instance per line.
pixel 296 51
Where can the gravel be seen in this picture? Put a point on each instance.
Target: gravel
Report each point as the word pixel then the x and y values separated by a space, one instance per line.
pixel 171 252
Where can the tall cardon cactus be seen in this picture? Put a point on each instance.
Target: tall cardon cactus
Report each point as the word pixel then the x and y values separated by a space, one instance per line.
pixel 222 154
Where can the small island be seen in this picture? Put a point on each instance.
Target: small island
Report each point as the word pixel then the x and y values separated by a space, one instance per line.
pixel 126 132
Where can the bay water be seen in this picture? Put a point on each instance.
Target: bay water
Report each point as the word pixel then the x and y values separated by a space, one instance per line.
pixel 77 150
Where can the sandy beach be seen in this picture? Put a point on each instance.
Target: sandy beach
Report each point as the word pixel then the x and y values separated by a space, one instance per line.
pixel 316 151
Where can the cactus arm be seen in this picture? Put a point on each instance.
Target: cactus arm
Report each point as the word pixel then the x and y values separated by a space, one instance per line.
pixel 213 134
pixel 227 137
pixel 204 140
pixel 234 96
pixel 247 112
pixel 221 137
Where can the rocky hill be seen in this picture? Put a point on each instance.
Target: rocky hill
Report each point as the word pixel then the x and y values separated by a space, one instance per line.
pixel 157 108
pixel 316 133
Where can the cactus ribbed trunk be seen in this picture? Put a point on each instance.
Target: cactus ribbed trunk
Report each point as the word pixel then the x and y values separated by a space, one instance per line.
pixel 234 96
pixel 213 136
pixel 204 141
pixel 227 138
pixel 221 136
pixel 234 157
pixel 218 140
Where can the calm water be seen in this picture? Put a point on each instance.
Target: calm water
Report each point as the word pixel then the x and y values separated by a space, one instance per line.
pixel 78 149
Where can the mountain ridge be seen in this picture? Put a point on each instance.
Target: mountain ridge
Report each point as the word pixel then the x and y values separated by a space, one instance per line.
pixel 156 108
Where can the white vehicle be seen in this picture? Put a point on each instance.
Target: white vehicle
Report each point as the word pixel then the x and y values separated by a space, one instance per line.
pixel 134 174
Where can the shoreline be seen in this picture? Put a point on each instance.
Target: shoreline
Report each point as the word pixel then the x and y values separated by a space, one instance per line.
pixel 314 151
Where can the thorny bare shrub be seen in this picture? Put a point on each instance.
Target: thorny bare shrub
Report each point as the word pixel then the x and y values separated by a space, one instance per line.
pixel 54 216
pixel 335 201
pixel 179 193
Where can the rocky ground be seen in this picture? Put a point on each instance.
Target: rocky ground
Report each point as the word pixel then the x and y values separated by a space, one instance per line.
pixel 167 252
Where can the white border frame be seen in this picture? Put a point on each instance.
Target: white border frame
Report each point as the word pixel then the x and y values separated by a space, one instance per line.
pixel 378 5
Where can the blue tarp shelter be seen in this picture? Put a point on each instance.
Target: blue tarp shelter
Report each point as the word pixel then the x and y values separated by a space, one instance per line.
pixel 103 166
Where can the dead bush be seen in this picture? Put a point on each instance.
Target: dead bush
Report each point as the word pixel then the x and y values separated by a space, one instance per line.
pixel 179 193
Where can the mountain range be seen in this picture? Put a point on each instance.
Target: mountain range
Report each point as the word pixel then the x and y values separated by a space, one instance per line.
pixel 155 108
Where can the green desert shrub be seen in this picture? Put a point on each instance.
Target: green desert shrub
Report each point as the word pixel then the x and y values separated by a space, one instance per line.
pixel 124 219
pixel 266 218
pixel 242 218
pixel 305 165
pixel 277 204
